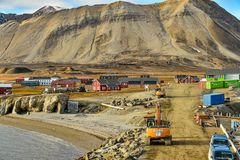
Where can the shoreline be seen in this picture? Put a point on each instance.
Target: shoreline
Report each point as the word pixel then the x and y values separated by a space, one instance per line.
pixel 83 140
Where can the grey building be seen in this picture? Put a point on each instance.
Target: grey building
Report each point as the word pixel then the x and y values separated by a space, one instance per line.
pixel 139 81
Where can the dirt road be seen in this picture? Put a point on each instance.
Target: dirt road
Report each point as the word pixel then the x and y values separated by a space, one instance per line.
pixel 190 140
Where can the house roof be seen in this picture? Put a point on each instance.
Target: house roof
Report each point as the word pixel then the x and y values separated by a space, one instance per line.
pixel 90 82
pixel 5 85
pixel 109 82
pixel 180 76
pixel 40 78
pixel 223 71
pixel 112 77
pixel 60 81
pixel 186 76
pixel 138 79
pixel 74 79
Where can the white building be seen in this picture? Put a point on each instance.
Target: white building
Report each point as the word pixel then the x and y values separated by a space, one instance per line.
pixel 43 81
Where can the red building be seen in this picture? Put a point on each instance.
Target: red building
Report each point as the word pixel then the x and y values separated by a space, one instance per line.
pixel 64 83
pixel 5 89
pixel 186 79
pixel 19 80
pixel 124 84
pixel 86 80
pixel 106 85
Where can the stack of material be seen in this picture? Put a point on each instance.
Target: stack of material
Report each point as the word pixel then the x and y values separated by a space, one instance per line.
pixel 127 145
pixel 130 103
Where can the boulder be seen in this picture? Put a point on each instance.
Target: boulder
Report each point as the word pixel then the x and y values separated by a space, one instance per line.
pixel 127 145
pixel 36 103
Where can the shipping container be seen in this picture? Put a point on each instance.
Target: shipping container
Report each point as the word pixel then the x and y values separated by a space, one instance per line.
pixel 213 99
pixel 215 78
pixel 215 84
pixel 231 83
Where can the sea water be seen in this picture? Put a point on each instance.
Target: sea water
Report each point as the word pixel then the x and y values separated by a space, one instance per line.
pixel 19 144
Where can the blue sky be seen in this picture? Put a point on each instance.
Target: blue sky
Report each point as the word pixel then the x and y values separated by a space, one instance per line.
pixel 29 6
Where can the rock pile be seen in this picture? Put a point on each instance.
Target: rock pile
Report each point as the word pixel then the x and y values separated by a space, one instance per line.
pixel 127 145
pixel 37 103
pixel 91 108
pixel 130 103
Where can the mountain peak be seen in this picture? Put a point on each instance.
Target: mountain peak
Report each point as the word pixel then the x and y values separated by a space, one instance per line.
pixel 46 10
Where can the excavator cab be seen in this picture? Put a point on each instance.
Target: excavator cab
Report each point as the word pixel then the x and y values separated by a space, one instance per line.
pixel 160 92
pixel 157 129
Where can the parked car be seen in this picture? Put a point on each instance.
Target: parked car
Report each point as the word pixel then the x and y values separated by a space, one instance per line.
pixel 219 140
pixel 219 148
pixel 220 152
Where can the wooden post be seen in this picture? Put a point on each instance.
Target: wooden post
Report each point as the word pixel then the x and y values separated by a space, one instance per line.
pixel 115 107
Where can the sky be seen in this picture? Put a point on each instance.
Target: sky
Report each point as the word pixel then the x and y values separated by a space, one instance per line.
pixel 29 6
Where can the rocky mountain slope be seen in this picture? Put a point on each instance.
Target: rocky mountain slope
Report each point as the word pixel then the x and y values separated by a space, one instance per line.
pixel 46 10
pixel 176 33
pixel 19 18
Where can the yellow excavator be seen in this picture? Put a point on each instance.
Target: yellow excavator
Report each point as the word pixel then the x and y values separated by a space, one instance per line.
pixel 158 129
pixel 160 92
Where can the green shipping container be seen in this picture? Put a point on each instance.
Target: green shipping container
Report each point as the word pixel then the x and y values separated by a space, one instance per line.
pixel 215 84
pixel 218 78
pixel 229 83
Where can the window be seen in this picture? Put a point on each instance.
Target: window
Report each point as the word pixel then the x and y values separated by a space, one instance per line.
pixel 150 82
pixel 134 82
pixel 220 141
pixel 223 155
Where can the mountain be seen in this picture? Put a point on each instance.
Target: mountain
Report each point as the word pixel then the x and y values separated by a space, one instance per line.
pixel 19 18
pixel 175 33
pixel 46 10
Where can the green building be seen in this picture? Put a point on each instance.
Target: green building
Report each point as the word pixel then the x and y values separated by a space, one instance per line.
pixel 30 83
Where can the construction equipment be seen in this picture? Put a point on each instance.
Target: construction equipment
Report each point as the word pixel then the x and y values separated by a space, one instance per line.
pixel 160 92
pixel 158 129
